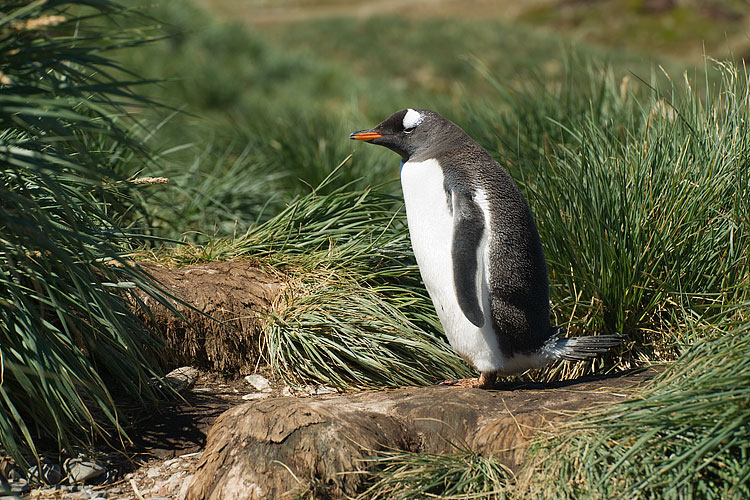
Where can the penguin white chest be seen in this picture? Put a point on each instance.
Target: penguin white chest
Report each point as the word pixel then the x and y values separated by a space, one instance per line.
pixel 430 219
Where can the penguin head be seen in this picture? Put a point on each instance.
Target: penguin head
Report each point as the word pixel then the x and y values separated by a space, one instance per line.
pixel 407 132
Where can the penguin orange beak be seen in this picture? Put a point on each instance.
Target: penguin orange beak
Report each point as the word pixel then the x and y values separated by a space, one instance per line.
pixel 364 135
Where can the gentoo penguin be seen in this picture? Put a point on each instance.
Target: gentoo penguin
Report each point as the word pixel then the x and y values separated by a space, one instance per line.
pixel 477 248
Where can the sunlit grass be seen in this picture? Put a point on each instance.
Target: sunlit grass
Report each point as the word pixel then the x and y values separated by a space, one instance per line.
pixel 684 437
pixel 462 475
pixel 68 337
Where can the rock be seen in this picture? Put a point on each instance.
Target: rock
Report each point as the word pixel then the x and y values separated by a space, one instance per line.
pixel 109 477
pixel 308 390
pixel 182 494
pixel 19 485
pixel 260 382
pixel 182 379
pixel 255 395
pixel 81 470
pixel 9 470
pixel 51 473
pixel 324 389
pixel 277 446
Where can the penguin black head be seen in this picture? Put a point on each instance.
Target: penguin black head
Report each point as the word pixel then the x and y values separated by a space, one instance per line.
pixel 407 132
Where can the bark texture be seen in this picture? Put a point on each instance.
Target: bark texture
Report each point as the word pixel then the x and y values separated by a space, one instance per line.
pixel 269 448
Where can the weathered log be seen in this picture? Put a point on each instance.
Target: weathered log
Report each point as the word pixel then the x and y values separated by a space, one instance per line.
pixel 225 302
pixel 268 448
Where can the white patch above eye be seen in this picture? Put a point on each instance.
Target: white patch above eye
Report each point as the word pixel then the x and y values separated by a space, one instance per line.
pixel 412 119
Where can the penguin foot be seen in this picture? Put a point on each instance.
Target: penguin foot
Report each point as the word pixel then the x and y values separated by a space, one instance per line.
pixel 486 380
pixel 468 383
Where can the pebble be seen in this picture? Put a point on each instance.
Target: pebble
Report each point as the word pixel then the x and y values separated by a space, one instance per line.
pixel 324 389
pixel 254 395
pixel 182 379
pixel 109 477
pixel 309 391
pixel 184 488
pixel 81 470
pixel 51 473
pixel 203 390
pixel 260 382
pixel 19 486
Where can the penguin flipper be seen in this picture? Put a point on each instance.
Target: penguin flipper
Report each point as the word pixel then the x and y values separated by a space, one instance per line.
pixel 467 254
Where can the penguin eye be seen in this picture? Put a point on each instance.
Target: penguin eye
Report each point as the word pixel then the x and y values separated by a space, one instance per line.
pixel 409 130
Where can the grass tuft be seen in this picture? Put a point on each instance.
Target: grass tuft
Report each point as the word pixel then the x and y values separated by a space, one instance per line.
pixel 460 476
pixel 685 437
pixel 68 338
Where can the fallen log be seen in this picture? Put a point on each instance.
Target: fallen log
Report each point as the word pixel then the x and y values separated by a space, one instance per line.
pixel 269 448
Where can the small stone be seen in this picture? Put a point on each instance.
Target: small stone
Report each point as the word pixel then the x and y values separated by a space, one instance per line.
pixel 19 486
pixel 153 472
pixel 51 473
pixel 287 391
pixel 320 390
pixel 184 488
pixel 7 466
pixel 260 382
pixel 324 389
pixel 108 477
pixel 254 395
pixel 203 390
pixel 182 379
pixel 81 470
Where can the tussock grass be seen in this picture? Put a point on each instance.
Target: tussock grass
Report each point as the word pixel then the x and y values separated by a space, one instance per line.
pixel 685 437
pixel 640 193
pixel 463 475
pixel 67 149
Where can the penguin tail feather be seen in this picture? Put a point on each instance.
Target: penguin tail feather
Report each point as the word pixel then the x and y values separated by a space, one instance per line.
pixel 580 348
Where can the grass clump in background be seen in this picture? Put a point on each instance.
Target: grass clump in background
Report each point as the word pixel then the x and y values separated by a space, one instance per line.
pixel 68 338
